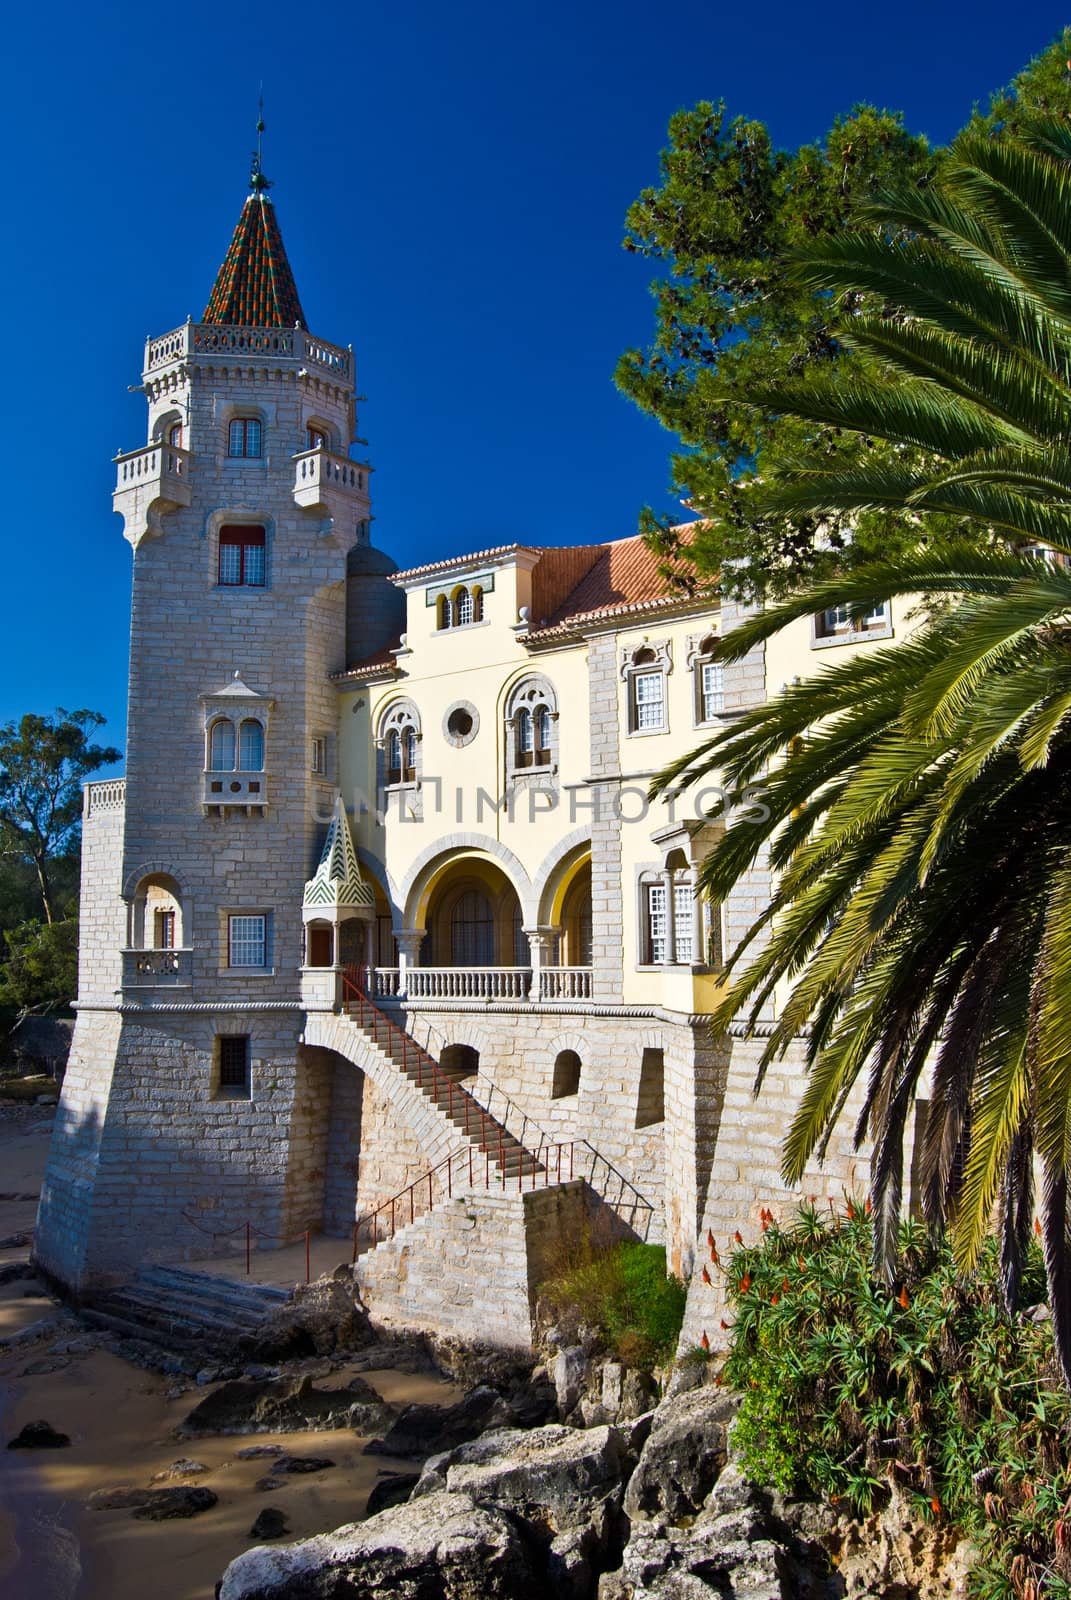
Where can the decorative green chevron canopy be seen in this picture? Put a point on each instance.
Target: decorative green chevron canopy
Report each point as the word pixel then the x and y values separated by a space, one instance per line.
pixel 338 886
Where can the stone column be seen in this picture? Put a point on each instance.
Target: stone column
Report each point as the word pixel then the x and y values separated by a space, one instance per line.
pixel 540 946
pixel 409 942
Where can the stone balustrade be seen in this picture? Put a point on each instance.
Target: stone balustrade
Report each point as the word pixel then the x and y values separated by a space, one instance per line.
pixel 209 339
pixel 157 969
pixel 225 789
pixel 319 473
pixel 565 983
pixel 468 983
pixel 152 479
pixel 108 795
pixel 480 983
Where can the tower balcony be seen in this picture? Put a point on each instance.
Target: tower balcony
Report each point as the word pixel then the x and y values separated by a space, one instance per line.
pixel 208 343
pixel 148 483
pixel 225 790
pixel 157 969
pixel 331 483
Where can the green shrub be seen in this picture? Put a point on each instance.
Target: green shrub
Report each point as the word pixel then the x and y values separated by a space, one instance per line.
pixel 624 1291
pixel 849 1387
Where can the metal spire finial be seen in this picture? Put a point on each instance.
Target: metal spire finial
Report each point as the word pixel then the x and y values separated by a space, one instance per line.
pixel 258 183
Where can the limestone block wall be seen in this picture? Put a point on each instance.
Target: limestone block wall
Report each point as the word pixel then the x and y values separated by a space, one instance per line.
pixel 102 912
pixel 150 1162
pixel 472 1265
pixel 746 1173
pixel 517 1054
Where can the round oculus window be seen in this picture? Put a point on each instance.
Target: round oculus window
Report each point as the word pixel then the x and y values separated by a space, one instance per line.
pixel 461 723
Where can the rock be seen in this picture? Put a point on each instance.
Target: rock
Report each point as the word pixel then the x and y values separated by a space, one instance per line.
pixel 565 1485
pixel 165 1504
pixel 319 1318
pixel 15 1241
pixel 15 1272
pixel 268 1485
pixel 393 1489
pixel 639 1394
pixel 281 1405
pixel 184 1467
pixel 46 1100
pixel 206 1375
pixel 153 1505
pixel 270 1524
pixel 684 1455
pixel 300 1464
pixel 569 1370
pixel 423 1430
pixel 613 1383
pixel 34 1331
pixel 37 1369
pixel 442 1547
pixel 252 1451
pixel 38 1436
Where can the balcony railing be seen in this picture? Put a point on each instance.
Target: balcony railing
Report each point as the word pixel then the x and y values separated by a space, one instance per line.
pixel 200 339
pixel 107 795
pixel 479 983
pixel 468 983
pixel 565 983
pixel 225 789
pixel 157 969
pixel 161 471
pixel 319 473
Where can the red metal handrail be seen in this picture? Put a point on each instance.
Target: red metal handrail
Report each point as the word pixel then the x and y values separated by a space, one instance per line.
pixel 371 1018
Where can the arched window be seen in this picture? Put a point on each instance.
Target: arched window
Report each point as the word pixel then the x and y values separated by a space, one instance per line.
pixel 477 604
pixel 174 435
pixel 221 746
pixel 531 726
pixel 399 737
pixel 315 437
pixel 472 931
pixel 566 1074
pixel 250 746
pixel 463 608
pixel 442 607
pixel 245 437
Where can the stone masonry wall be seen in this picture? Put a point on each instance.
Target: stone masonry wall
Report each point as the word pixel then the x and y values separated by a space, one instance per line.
pixel 471 1266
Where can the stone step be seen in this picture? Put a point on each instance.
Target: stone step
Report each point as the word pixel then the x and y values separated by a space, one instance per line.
pixel 263 1295
pixel 111 1322
pixel 216 1315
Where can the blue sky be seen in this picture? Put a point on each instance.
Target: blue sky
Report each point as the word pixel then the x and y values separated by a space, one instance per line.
pixel 451 182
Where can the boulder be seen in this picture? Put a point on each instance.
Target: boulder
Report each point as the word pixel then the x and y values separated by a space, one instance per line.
pixel 154 1505
pixel 185 1467
pixel 38 1436
pixel 420 1431
pixel 565 1486
pixel 441 1547
pixel 393 1489
pixel 686 1450
pixel 569 1371
pixel 270 1524
pixel 302 1464
pixel 283 1405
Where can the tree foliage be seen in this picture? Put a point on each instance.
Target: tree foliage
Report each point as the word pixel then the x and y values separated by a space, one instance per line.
pixel 43 763
pixel 729 209
pixel 918 798
pixel 39 972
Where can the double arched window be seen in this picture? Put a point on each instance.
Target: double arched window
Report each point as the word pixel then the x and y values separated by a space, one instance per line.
pixel 462 607
pixel 236 747
pixel 531 727
pixel 399 738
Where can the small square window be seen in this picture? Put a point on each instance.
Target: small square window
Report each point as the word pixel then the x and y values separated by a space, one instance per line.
pixel 234 1064
pixel 247 941
pixel 241 556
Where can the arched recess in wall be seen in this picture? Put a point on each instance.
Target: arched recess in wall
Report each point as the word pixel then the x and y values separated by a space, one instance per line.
pixel 414 892
pixel 472 917
pixel 158 914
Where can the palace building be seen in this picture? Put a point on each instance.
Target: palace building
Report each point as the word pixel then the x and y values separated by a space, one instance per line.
pixel 381 935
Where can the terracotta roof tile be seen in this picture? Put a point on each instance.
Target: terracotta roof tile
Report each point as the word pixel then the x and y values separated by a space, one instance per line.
pixel 374 663
pixel 459 561
pixel 625 578
pixel 255 287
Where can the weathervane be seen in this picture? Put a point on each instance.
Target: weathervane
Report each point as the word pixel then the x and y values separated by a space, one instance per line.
pixel 257 181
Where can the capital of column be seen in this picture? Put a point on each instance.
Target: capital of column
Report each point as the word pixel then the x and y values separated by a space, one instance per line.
pixel 409 941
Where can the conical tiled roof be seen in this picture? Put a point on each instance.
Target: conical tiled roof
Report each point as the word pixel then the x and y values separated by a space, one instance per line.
pixel 255 287
pixel 338 885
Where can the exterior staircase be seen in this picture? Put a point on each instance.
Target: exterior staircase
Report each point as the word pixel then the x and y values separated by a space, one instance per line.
pixel 187 1311
pixel 465 1123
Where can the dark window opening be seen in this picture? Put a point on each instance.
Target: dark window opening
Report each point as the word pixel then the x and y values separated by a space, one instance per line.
pixel 234 1063
pixel 650 1101
pixel 566 1074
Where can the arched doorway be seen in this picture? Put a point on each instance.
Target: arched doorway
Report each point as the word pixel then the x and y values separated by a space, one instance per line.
pixel 473 919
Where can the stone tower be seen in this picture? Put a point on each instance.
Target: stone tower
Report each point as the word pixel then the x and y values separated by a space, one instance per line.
pixel 186 1112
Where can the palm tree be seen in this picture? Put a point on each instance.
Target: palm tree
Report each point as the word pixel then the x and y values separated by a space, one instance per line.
pixel 918 798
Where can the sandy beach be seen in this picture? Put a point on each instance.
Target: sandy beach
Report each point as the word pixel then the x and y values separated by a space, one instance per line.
pixel 120 1421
